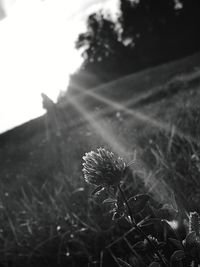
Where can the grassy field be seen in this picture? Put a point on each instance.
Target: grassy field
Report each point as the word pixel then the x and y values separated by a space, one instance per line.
pixel 47 217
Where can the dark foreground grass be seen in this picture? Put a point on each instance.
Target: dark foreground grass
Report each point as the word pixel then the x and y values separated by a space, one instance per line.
pixel 60 224
pixel 47 214
pixel 53 226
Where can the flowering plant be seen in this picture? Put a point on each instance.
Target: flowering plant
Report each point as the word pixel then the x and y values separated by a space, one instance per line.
pixel 159 244
pixel 103 168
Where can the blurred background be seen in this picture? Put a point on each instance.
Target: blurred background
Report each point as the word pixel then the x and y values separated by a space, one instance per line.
pixel 38 52
pixel 43 42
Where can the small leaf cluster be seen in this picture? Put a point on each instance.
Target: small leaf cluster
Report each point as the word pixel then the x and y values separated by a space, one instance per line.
pixel 177 247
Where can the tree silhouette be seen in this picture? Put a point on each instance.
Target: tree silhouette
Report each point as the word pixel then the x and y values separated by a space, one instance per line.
pixel 147 33
pixel 189 23
pixel 102 49
pixel 101 41
pixel 161 29
pixel 146 23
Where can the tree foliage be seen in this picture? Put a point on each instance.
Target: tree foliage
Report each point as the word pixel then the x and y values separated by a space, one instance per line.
pixel 101 39
pixel 147 32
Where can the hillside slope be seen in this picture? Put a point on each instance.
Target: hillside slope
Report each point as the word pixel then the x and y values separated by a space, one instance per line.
pixel 109 115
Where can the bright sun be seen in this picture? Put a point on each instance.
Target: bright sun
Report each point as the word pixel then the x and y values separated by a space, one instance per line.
pixel 36 55
pixel 37 52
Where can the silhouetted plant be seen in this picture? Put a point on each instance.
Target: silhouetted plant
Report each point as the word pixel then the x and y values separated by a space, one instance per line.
pixel 151 239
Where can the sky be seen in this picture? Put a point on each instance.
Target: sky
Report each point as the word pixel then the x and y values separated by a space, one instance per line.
pixel 37 52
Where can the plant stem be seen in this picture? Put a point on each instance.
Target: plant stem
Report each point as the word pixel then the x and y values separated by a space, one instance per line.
pixel 139 229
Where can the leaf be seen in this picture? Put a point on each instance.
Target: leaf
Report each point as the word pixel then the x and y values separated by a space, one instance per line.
pixel 154 264
pixel 109 200
pixel 170 208
pixel 166 212
pixel 96 190
pixel 176 243
pixel 178 255
pixel 154 225
pixel 155 204
pixel 167 229
pixel 138 202
pixel 123 263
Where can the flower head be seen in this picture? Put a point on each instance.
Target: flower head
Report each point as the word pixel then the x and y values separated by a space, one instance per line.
pixel 103 168
pixel 194 223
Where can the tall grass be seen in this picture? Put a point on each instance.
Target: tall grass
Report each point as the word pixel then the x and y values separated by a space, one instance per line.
pixel 173 157
pixel 54 225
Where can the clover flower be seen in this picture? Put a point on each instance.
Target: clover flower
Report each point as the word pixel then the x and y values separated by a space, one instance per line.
pixel 103 168
pixel 194 223
pixel 192 241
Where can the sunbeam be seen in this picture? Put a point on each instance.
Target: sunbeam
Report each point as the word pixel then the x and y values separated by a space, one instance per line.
pixel 160 189
pixel 104 131
pixel 114 105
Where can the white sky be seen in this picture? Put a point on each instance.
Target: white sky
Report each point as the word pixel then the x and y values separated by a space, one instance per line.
pixel 37 52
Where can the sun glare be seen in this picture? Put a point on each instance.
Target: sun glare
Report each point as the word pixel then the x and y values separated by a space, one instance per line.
pixel 37 52
pixel 37 55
